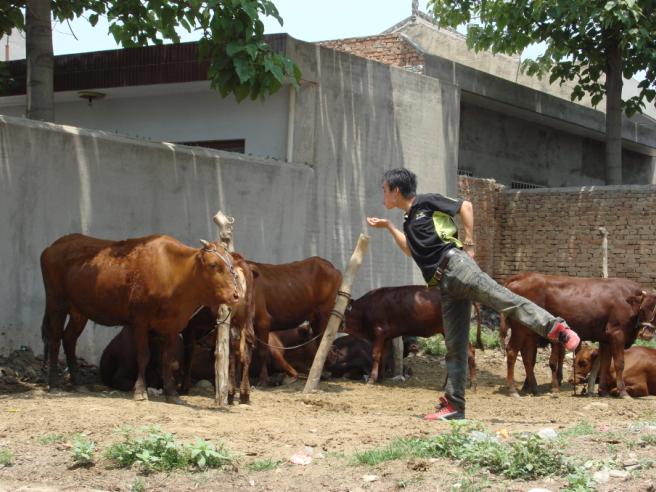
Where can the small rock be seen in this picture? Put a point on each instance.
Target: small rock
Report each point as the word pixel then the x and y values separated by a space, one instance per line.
pixel 596 404
pixel 370 478
pixel 618 473
pixel 547 433
pixel 602 476
pixel 204 384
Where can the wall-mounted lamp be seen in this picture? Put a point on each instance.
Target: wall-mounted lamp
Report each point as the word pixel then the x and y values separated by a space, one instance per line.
pixel 91 95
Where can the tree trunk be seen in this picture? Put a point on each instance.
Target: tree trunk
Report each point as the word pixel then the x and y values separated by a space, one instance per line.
pixel 614 115
pixel 40 61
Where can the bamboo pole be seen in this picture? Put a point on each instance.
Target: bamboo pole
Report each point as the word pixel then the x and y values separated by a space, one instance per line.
pixel 397 343
pixel 596 365
pixel 337 314
pixel 222 347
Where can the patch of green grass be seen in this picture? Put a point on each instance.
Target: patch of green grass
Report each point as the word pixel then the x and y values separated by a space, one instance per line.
pixel 82 450
pixel 6 458
pixel 469 443
pixel 51 439
pixel 580 481
pixel 648 440
pixel 154 450
pixel 264 465
pixel 433 346
pixel 138 485
pixel 583 428
pixel 646 343
pixel 490 338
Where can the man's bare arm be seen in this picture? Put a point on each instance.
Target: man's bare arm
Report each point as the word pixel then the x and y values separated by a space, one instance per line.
pixel 399 236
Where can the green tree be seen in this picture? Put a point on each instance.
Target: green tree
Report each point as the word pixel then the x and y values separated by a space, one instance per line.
pixel 590 42
pixel 232 39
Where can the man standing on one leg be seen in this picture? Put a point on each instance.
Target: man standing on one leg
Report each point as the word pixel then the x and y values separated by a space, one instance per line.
pixel 430 237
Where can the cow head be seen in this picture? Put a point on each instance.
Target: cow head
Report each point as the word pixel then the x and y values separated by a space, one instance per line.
pixel 219 275
pixel 583 361
pixel 645 305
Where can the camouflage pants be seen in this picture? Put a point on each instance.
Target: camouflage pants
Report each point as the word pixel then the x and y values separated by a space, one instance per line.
pixel 464 282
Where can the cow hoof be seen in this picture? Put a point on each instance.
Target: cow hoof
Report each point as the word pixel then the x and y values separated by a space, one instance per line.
pixel 174 399
pixel 140 396
pixel 514 394
pixel 244 400
pixel 289 380
pixel 625 396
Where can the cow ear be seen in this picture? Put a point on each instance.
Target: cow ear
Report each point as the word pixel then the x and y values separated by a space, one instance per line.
pixel 636 300
pixel 254 270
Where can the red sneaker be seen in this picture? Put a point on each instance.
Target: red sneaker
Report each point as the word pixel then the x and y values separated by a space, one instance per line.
pixel 445 411
pixel 565 335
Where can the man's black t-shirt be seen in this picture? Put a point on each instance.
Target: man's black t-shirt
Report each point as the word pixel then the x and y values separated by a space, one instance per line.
pixel 431 231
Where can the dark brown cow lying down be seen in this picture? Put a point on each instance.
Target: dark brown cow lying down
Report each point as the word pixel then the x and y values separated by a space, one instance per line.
pixel 118 363
pixel 639 370
pixel 389 312
pixel 152 283
pixel 611 311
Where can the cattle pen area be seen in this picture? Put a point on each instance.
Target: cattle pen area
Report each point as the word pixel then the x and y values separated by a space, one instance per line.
pixel 348 436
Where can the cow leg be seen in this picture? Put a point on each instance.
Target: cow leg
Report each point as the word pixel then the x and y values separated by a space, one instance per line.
pixel 279 357
pixel 604 368
pixel 617 349
pixel 54 327
pixel 262 329
pixel 471 364
pixel 74 327
pixel 377 350
pixel 555 364
pixel 637 390
pixel 169 360
pixel 529 354
pixel 140 334
pixel 190 345
pixel 245 352
pixel 511 358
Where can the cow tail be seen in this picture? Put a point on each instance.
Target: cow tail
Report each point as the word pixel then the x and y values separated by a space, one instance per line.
pixel 503 331
pixel 45 336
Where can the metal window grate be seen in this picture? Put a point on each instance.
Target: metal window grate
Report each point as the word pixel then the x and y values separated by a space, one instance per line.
pixel 465 172
pixel 522 185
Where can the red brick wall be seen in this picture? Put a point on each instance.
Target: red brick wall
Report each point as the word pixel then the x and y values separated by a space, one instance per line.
pixel 555 230
pixel 483 193
pixel 390 49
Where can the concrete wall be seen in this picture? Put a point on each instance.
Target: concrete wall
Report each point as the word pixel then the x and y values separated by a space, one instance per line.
pixel 177 113
pixel 507 148
pixel 353 119
pixel 356 118
pixel 56 180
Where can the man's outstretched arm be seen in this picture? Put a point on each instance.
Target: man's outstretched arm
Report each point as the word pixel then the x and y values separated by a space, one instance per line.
pixel 466 215
pixel 399 237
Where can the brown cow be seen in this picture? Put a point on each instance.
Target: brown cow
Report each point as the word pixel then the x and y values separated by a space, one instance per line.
pixel 118 363
pixel 201 330
pixel 639 370
pixel 154 283
pixel 287 295
pixel 388 312
pixel 608 310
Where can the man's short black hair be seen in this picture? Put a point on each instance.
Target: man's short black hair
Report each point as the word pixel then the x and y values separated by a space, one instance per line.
pixel 404 180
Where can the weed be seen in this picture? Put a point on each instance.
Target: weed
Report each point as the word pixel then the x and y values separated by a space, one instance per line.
pixel 138 485
pixel 490 338
pixel 583 428
pixel 82 450
pixel 51 439
pixel 203 455
pixel 579 481
pixel 524 458
pixel 434 345
pixel 264 465
pixel 648 440
pixel 6 458
pixel 646 343
pixel 157 451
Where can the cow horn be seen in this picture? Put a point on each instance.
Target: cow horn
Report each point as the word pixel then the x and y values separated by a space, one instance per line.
pixel 206 244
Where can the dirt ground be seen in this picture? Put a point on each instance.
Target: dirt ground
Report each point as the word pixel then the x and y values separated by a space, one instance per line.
pixel 343 418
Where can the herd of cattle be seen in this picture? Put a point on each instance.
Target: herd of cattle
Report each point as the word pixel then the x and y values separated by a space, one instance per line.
pixel 167 296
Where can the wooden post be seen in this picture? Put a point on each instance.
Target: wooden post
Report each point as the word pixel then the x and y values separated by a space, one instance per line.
pixel 596 365
pixel 222 348
pixel 337 314
pixel 397 343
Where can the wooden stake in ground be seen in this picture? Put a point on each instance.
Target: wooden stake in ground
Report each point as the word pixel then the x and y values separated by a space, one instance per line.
pixel 337 314
pixel 222 348
pixel 596 365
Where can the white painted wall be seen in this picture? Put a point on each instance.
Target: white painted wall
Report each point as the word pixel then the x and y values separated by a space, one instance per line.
pixel 175 113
